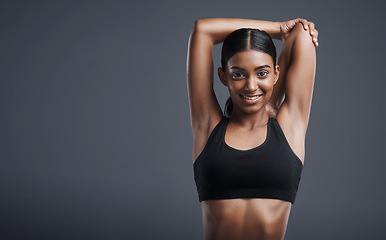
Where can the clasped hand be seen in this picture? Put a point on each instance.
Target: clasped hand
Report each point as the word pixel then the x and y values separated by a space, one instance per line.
pixel 286 28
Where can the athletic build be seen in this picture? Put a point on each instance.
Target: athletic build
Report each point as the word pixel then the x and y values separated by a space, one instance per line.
pixel 241 199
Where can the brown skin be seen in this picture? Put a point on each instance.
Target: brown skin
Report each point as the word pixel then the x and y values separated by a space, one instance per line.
pixel 229 219
pixel 264 219
pixel 249 73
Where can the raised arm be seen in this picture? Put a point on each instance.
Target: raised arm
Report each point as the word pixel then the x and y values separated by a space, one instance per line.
pixel 279 88
pixel 297 61
pixel 205 111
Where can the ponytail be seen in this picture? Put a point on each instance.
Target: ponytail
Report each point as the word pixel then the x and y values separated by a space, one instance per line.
pixel 228 107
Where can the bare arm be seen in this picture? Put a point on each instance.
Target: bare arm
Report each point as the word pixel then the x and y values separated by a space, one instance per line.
pixel 208 32
pixel 204 108
pixel 219 28
pixel 205 111
pixel 297 63
pixel 286 28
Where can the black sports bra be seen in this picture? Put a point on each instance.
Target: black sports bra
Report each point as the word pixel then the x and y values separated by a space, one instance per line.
pixel 271 170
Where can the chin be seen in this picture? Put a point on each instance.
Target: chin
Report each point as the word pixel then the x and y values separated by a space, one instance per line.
pixel 252 109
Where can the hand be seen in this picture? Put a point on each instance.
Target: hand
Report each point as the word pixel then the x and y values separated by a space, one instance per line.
pixel 286 28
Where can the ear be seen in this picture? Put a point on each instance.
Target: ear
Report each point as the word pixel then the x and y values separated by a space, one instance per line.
pixel 277 73
pixel 221 75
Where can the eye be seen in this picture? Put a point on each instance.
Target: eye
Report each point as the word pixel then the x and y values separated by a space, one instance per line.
pixel 262 74
pixel 237 75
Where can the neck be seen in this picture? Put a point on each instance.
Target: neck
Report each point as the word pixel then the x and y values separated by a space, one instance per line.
pixel 249 120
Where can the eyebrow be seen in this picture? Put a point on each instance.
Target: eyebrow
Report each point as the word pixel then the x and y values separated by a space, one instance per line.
pixel 239 68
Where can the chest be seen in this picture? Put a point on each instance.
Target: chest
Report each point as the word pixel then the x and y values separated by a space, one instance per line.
pixel 269 170
pixel 265 166
pixel 244 140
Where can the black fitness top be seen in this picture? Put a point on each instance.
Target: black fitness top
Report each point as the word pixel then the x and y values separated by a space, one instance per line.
pixel 271 170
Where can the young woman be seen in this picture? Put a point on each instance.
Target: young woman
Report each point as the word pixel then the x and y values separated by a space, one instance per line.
pixel 248 162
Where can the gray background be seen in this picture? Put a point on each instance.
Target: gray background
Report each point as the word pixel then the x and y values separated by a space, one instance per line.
pixel 95 130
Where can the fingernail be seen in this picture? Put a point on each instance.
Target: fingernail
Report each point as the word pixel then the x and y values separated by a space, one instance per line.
pixel 312 32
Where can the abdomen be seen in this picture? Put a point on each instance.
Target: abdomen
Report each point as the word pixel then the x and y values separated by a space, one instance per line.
pixel 256 218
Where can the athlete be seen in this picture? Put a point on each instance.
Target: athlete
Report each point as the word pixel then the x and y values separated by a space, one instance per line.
pixel 248 161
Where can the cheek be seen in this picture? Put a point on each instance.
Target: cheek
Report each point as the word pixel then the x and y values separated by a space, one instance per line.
pixel 267 85
pixel 234 87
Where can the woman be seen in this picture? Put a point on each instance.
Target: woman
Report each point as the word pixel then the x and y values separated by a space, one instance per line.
pixel 248 162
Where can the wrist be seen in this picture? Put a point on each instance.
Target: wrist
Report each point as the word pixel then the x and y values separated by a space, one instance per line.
pixel 276 31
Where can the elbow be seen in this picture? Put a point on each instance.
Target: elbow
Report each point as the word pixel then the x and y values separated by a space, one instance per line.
pixel 300 31
pixel 198 25
pixel 202 25
pixel 302 36
pixel 196 28
pixel 197 22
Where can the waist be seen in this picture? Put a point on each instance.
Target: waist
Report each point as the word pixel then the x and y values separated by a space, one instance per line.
pixel 251 218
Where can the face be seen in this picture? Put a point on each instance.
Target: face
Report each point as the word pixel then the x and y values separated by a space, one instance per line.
pixel 250 77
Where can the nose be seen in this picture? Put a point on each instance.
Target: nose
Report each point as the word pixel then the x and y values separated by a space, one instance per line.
pixel 252 84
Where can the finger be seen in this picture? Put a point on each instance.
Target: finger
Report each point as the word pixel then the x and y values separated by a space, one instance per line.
pixel 312 28
pixel 314 34
pixel 304 22
pixel 315 41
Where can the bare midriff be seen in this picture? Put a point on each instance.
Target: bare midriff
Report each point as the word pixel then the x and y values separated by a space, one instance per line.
pixel 245 219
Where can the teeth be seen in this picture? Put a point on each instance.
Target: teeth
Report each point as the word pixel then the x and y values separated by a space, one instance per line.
pixel 251 98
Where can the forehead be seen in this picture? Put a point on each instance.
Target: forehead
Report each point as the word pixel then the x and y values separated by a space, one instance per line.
pixel 250 59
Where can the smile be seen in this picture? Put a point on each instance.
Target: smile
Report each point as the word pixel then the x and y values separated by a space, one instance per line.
pixel 251 99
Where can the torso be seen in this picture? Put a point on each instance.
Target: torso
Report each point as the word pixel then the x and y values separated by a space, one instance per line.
pixel 252 218
pixel 245 219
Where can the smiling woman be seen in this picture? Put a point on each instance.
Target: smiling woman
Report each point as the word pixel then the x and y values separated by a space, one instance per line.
pixel 249 74
pixel 242 40
pixel 248 163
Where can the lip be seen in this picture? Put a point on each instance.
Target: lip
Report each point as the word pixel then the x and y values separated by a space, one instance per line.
pixel 251 101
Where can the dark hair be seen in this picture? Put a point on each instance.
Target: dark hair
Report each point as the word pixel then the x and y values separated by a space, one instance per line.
pixel 241 40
